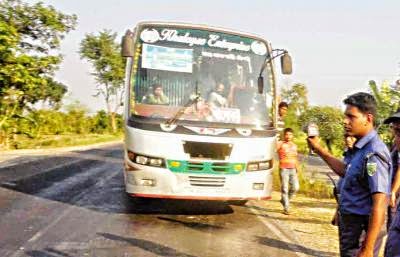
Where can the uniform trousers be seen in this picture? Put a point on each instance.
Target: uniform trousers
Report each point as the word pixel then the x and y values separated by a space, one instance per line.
pixel 392 248
pixel 352 231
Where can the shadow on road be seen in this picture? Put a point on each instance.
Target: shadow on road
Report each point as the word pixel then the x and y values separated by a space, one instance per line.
pixel 176 207
pixel 48 252
pixel 193 225
pixel 290 247
pixel 158 249
pixel 96 184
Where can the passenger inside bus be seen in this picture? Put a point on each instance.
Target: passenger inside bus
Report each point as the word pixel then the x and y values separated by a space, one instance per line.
pixel 241 96
pixel 157 96
pixel 216 98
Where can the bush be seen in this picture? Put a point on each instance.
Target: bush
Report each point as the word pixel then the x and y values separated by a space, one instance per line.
pixel 44 128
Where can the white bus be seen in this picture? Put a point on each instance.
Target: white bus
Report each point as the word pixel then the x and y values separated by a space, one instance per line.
pixel 200 112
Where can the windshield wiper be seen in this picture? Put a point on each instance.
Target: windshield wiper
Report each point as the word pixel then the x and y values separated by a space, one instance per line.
pixel 194 99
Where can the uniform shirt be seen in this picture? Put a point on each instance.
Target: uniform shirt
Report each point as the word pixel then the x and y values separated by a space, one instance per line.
pixel 287 152
pixel 346 159
pixel 359 184
pixel 347 155
pixel 395 154
pixel 392 248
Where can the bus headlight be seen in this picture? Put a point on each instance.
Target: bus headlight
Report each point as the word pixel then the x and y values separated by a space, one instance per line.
pixel 264 165
pixel 252 166
pixel 146 160
pixel 141 159
pixel 261 165
pixel 155 162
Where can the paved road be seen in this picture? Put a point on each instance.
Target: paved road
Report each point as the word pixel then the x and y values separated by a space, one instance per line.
pixel 74 204
pixel 316 169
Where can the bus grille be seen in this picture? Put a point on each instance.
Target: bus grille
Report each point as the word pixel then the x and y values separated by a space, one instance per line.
pixel 213 167
pixel 207 181
pixel 199 167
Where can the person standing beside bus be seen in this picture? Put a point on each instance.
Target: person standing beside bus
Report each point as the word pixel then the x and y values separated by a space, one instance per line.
pixel 366 180
pixel 289 166
pixel 282 111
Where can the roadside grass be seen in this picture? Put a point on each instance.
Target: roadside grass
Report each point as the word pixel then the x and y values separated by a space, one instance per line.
pixel 52 141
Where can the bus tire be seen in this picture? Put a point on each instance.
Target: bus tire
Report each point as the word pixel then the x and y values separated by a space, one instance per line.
pixel 238 202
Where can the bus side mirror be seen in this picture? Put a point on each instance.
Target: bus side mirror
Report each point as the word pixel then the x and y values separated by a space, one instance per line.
pixel 127 44
pixel 286 64
pixel 260 84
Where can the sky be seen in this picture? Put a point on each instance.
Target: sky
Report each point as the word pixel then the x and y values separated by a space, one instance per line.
pixel 336 46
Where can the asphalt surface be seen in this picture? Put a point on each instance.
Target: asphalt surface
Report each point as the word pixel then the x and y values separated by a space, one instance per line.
pixel 316 169
pixel 74 204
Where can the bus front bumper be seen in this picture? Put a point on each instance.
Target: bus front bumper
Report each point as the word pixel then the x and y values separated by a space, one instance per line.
pixel 145 181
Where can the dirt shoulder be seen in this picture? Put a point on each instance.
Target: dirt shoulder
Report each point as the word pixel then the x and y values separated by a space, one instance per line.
pixel 309 222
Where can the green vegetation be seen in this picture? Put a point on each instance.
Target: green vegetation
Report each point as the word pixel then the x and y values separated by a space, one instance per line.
pixel 328 119
pixel 388 100
pixel 104 54
pixel 30 38
pixel 330 123
pixel 52 141
pixel 51 128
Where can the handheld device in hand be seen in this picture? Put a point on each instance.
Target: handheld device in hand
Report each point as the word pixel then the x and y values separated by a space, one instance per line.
pixel 312 130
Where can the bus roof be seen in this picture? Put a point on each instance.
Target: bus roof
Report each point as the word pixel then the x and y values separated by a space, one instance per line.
pixel 201 26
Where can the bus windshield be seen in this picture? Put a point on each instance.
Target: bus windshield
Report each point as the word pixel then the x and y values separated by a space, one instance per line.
pixel 206 76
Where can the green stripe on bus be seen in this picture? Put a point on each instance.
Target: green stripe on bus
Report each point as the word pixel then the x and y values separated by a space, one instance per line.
pixel 205 167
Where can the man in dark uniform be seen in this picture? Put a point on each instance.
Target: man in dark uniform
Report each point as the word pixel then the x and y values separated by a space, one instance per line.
pixel 366 180
pixel 392 248
pixel 394 122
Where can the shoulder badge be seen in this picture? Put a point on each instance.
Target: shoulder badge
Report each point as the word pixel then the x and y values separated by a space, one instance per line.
pixel 371 168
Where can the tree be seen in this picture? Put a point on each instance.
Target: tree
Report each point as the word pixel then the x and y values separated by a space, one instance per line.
pixel 104 54
pixel 30 37
pixel 330 123
pixel 388 101
pixel 296 96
